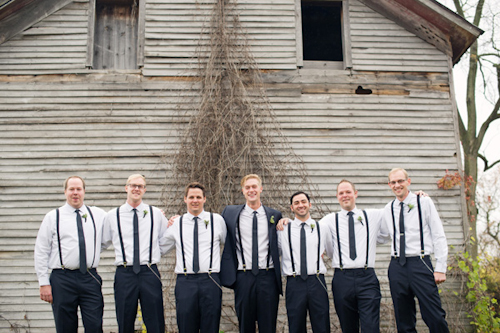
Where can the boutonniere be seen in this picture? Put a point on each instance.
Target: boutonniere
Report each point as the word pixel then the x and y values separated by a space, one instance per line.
pixel 272 220
pixel 312 227
pixel 145 211
pixel 85 217
pixel 360 219
pixel 206 223
pixel 410 207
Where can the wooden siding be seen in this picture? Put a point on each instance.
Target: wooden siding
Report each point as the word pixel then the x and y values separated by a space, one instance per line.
pixel 107 127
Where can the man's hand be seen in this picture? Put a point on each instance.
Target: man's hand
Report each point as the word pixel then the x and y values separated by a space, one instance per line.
pixel 171 220
pixel 421 193
pixel 281 224
pixel 439 277
pixel 46 293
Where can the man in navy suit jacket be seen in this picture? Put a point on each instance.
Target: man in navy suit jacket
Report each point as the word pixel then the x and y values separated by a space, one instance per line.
pixel 250 261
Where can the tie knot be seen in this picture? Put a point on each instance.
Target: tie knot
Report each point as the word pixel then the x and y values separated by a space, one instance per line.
pixel 195 219
pixel 254 212
pixel 303 224
pixel 402 204
pixel 77 211
pixel 134 209
pixel 350 213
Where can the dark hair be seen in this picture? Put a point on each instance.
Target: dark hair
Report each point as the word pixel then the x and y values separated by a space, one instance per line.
pixel 297 193
pixel 194 185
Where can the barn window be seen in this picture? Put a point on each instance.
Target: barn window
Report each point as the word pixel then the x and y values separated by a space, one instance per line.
pixel 115 41
pixel 322 33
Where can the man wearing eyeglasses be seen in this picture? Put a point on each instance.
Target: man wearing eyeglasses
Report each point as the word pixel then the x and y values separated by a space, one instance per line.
pixel 134 229
pixel 417 232
pixel 68 243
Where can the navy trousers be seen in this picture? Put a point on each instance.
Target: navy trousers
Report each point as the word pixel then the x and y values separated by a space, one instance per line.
pixel 146 287
pixel 256 300
pixel 198 301
pixel 356 295
pixel 71 289
pixel 307 295
pixel 416 279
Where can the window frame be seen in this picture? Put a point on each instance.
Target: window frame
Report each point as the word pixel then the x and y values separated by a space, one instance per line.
pixel 346 63
pixel 141 27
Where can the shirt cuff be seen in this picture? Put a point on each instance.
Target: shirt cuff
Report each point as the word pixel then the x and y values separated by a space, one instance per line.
pixel 44 281
pixel 440 267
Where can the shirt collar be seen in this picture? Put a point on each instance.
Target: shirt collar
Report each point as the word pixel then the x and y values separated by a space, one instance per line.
pixel 191 216
pixel 139 208
pixel 344 212
pixel 308 222
pixel 69 208
pixel 259 210
pixel 409 198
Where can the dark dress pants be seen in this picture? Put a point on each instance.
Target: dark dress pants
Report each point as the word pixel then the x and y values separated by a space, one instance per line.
pixel 356 295
pixel 307 295
pixel 198 301
pixel 146 287
pixel 416 279
pixel 71 289
pixel 256 300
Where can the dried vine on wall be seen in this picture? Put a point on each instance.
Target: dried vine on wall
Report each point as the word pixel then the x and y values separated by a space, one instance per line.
pixel 234 131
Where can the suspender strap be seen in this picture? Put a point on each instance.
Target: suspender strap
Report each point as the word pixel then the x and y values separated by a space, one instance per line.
pixel 338 239
pixel 290 244
pixel 268 254
pixel 420 222
pixel 59 238
pixel 422 250
pixel 95 235
pixel 319 242
pixel 241 247
pixel 151 236
pixel 120 235
pixel 212 241
pixel 182 246
pixel 367 238
pixel 393 228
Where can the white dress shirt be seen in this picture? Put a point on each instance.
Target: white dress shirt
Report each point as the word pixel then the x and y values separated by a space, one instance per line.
pixel 311 247
pixel 378 233
pixel 111 235
pixel 246 227
pixel 47 248
pixel 173 238
pixel 434 237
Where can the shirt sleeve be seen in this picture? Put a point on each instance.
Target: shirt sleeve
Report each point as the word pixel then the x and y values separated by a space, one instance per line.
pixel 438 237
pixel 223 229
pixel 383 235
pixel 167 238
pixel 43 249
pixel 326 225
pixel 107 234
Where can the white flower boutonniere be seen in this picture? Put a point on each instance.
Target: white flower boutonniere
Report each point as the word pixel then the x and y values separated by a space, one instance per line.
pixel 272 220
pixel 145 211
pixel 312 227
pixel 85 217
pixel 206 223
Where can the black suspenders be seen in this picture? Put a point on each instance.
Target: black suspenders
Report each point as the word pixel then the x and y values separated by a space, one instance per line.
pixel 211 244
pixel 291 251
pixel 241 248
pixel 367 239
pixel 59 237
pixel 420 222
pixel 150 236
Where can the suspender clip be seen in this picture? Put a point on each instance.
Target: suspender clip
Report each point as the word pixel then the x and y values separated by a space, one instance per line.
pixel 294 273
pixel 62 266
pixel 422 254
pixel 185 271
pixel 267 268
pixel 244 268
pixel 125 264
pixel 209 271
pixel 366 266
pixel 149 264
pixel 317 273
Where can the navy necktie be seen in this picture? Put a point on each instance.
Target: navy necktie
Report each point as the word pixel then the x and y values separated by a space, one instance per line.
pixel 352 237
pixel 255 246
pixel 137 261
pixel 303 253
pixel 196 255
pixel 402 243
pixel 81 243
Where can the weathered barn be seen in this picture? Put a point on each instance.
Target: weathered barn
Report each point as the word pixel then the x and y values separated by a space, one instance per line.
pixel 93 87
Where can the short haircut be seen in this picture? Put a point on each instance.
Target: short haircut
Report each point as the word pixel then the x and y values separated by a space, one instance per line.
pixel 194 185
pixel 71 177
pixel 250 176
pixel 396 170
pixel 346 181
pixel 134 176
pixel 297 193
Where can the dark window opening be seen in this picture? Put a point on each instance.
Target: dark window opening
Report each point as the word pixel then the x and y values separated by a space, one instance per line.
pixel 322 30
pixel 115 38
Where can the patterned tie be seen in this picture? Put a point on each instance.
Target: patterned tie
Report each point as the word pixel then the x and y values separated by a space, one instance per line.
pixel 402 243
pixel 303 253
pixel 255 246
pixel 137 261
pixel 81 243
pixel 352 237
pixel 196 254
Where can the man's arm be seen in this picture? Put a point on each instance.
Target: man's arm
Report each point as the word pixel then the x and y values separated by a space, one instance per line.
pixel 43 249
pixel 46 293
pixel 438 239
